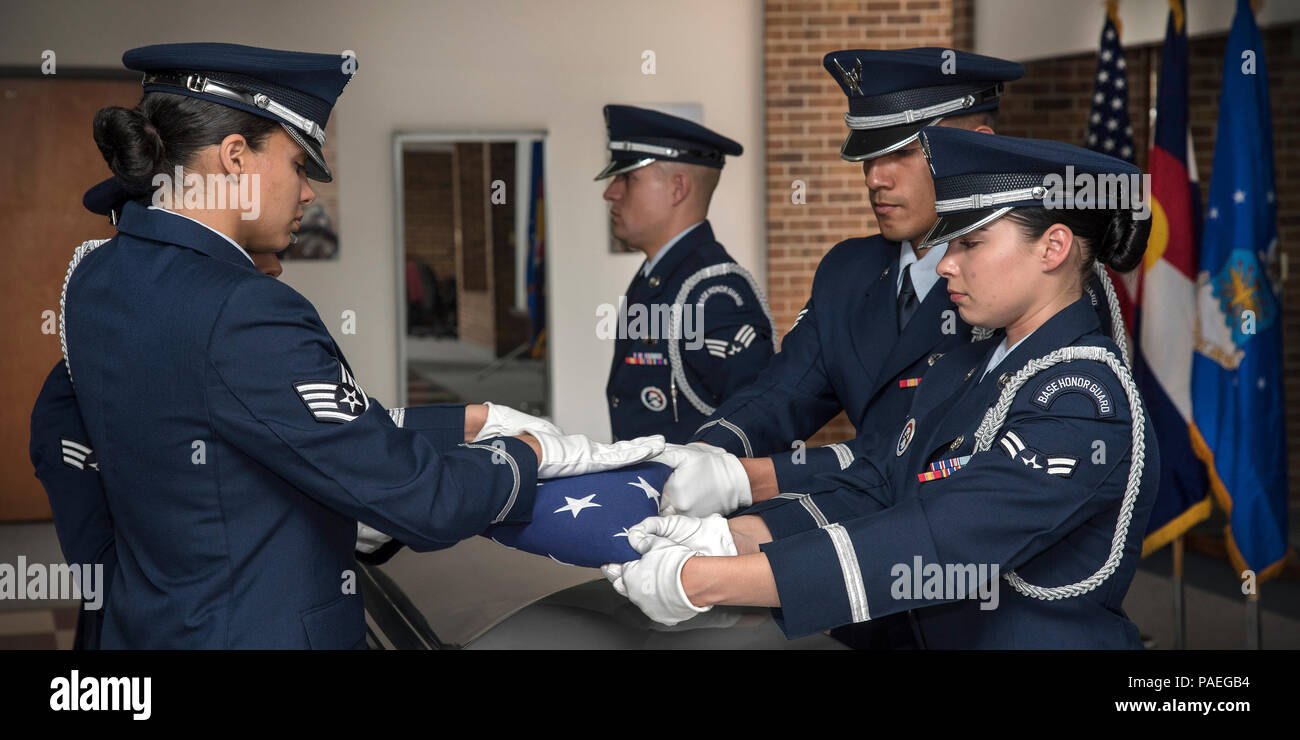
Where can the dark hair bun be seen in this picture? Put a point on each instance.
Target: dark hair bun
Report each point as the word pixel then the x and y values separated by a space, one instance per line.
pixel 1125 241
pixel 131 146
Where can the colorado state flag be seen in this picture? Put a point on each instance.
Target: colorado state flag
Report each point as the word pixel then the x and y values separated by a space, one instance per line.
pixel 1237 369
pixel 1167 299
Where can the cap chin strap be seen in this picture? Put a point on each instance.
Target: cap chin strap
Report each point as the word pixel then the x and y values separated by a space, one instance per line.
pixel 997 415
pixel 201 84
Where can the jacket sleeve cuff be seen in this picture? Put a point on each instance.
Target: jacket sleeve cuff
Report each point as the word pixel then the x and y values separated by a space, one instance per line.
pixel 443 424
pixel 509 451
pixel 843 573
pixel 795 470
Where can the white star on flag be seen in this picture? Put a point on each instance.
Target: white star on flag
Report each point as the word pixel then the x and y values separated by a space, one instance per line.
pixel 650 491
pixel 1214 213
pixel 576 505
pixel 1239 196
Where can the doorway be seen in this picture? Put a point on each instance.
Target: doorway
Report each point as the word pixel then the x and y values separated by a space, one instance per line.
pixel 471 246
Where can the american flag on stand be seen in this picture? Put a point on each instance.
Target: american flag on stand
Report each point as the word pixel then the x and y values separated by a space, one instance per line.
pixel 1110 132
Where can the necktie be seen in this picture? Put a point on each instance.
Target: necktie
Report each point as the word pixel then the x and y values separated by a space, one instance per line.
pixel 906 299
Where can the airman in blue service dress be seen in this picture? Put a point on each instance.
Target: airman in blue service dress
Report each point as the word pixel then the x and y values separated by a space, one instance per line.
pixel 867 334
pixel 667 378
pixel 1039 460
pixel 235 448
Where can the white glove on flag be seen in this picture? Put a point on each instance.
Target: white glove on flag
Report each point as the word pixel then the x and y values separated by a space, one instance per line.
pixel 654 583
pixel 707 536
pixel 706 480
pixel 503 421
pixel 564 455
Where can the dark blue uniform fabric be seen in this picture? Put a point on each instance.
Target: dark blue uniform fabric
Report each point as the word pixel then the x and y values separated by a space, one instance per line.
pixel 844 352
pixel 66 464
pixel 642 395
pixel 234 497
pixel 1021 505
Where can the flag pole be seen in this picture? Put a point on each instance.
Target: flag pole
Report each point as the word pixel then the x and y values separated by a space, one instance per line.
pixel 1180 611
pixel 1254 621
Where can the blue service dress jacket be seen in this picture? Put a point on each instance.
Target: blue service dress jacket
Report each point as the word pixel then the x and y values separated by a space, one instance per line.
pixel 666 382
pixel 236 451
pixel 844 352
pixel 1046 500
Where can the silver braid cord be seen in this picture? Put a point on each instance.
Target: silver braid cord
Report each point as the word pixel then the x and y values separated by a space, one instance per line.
pixel 997 415
pixel 675 333
pixel 77 255
pixel 1118 331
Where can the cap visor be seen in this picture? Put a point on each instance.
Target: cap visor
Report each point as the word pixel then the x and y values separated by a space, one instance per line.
pixel 870 143
pixel 953 225
pixel 619 166
pixel 316 168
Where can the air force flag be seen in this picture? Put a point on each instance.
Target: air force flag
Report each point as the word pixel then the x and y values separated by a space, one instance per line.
pixel 584 520
pixel 1237 399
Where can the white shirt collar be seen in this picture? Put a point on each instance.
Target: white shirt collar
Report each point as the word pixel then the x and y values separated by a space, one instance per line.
pixel 925 272
pixel 1002 351
pixel 209 228
pixel 650 263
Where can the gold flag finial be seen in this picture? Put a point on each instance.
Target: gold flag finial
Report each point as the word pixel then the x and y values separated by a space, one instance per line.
pixel 1176 7
pixel 1112 12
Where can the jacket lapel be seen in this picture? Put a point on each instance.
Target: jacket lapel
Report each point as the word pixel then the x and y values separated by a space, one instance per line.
pixel 875 314
pixel 924 331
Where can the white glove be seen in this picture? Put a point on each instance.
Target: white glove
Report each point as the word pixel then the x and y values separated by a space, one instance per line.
pixel 654 583
pixel 707 536
pixel 705 480
pixel 564 455
pixel 370 539
pixel 503 421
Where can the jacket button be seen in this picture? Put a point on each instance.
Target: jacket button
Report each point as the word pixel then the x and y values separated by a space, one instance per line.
pixel 957 442
pixel 654 281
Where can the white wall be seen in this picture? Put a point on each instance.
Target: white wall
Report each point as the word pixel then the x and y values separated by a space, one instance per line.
pixel 1022 30
pixel 461 66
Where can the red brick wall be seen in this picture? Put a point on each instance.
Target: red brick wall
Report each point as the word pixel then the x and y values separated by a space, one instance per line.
pixel 805 127
pixel 476 318
pixel 1052 102
pixel 429 216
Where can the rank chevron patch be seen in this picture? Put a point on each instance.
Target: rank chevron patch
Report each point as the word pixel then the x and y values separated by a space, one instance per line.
pixel 77 455
pixel 725 348
pixel 1036 459
pixel 331 402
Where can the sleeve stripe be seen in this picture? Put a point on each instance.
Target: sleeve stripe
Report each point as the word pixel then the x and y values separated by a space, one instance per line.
pixel 843 454
pixel 749 451
pixel 806 501
pixel 514 468
pixel 853 586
